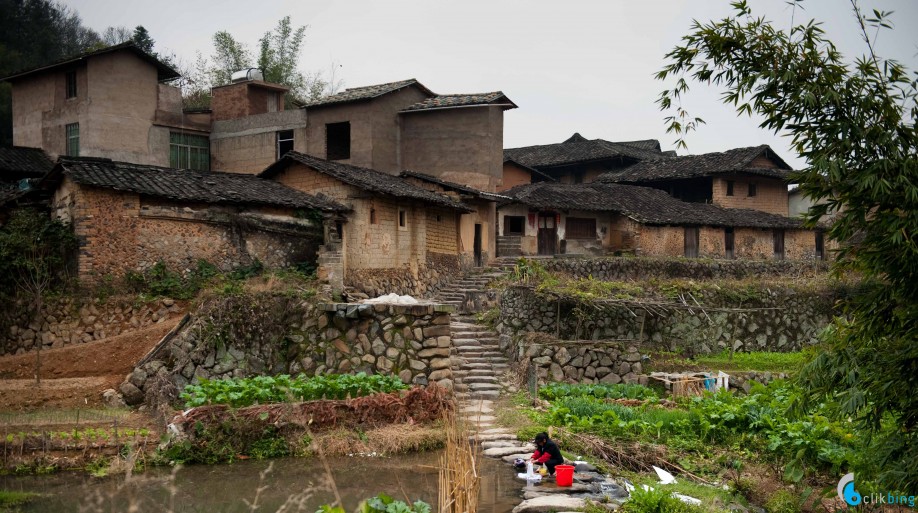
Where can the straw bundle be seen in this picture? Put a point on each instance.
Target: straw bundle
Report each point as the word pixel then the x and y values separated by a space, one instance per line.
pixel 459 479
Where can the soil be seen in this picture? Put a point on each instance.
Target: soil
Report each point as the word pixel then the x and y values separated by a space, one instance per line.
pixel 74 377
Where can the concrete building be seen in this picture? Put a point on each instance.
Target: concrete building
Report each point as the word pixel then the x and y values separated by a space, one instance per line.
pixel 111 103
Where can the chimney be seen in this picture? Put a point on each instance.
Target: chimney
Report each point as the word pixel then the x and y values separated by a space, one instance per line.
pixel 248 94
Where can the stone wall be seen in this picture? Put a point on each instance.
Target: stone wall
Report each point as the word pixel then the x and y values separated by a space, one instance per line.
pixel 425 281
pixel 265 333
pixel 637 268
pixel 575 361
pixel 777 320
pixel 67 321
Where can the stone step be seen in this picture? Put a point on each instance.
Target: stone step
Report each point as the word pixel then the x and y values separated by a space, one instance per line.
pixel 476 379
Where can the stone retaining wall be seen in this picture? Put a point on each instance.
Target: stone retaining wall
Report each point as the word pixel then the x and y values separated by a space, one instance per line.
pixel 68 321
pixel 635 268
pixel 289 335
pixel 779 320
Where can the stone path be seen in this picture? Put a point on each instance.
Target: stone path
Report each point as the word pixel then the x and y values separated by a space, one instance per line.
pixel 479 368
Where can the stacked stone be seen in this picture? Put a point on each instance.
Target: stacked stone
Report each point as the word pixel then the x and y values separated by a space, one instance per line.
pixel 583 363
pixel 617 268
pixel 66 322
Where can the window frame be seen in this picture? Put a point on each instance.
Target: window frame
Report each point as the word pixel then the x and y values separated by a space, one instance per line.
pixel 522 222
pixel 580 230
pixel 70 84
pixel 402 219
pixel 753 190
pixel 341 150
pixel 279 138
pixel 181 154
pixel 730 187
pixel 72 139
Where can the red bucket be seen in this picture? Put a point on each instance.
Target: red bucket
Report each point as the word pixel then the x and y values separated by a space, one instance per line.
pixel 564 475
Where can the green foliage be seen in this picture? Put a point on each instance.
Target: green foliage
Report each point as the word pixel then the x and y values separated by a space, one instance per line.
pixel 725 360
pixel 277 389
pixel 553 391
pixel 10 500
pixel 854 124
pixel 34 253
pixel 384 504
pixel 269 446
pixel 657 500
pixel 782 501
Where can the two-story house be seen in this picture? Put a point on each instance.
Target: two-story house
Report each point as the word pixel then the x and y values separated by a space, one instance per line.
pixel 112 103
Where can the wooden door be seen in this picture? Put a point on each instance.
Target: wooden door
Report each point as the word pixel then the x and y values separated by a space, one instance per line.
pixel 691 241
pixel 779 244
pixel 477 245
pixel 548 234
pixel 728 242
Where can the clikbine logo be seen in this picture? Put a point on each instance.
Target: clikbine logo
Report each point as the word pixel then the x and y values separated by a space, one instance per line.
pixel 846 490
pixel 852 497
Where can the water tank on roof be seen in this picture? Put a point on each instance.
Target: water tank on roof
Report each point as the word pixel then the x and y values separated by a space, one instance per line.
pixel 244 75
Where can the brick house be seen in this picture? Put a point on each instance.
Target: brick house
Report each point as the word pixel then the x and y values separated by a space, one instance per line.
pixel 19 167
pixel 603 218
pixel 397 236
pixel 128 217
pixel 112 103
pixel 752 178
pixel 577 159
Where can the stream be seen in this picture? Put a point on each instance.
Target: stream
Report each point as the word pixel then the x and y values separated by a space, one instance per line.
pixel 292 484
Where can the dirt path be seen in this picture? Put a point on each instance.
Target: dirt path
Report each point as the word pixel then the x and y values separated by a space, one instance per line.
pixel 75 376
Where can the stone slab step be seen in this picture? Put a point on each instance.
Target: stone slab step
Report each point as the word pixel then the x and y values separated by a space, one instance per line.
pixel 483 437
pixel 499 452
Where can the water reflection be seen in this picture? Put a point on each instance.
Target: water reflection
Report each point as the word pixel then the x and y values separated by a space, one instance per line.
pixel 291 485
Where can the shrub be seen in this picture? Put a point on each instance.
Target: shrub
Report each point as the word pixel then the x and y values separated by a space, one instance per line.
pixel 553 391
pixel 657 501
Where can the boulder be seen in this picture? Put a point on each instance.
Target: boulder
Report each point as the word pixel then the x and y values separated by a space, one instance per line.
pixel 550 503
pixel 112 399
pixel 131 394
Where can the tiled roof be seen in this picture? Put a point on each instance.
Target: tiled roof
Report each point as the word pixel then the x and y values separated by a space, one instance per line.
pixel 446 101
pixel 643 204
pixel 187 185
pixel 453 186
pixel 165 72
pixel 532 170
pixel 355 94
pixel 578 149
pixel 366 179
pixel 706 164
pixel 19 162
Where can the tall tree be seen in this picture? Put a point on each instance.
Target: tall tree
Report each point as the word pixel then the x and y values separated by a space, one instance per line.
pixel 854 123
pixel 229 56
pixel 34 32
pixel 142 39
pixel 116 35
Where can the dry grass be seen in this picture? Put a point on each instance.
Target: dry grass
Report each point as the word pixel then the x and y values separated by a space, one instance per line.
pixel 460 469
pixel 384 441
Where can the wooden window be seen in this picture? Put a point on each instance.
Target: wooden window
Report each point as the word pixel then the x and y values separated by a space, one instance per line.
pixel 187 151
pixel 402 219
pixel 820 245
pixel 284 142
pixel 580 228
pixel 729 187
pixel 338 141
pixel 691 241
pixel 779 243
pixel 71 80
pixel 547 221
pixel 752 190
pixel 73 140
pixel 373 216
pixel 728 242
pixel 514 225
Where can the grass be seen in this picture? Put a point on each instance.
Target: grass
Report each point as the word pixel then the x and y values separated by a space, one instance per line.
pixel 10 500
pixel 762 361
pixel 713 499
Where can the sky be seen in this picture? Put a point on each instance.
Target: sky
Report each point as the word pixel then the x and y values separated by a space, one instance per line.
pixel 571 66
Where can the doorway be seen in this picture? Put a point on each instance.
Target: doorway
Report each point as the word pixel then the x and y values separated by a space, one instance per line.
pixel 477 245
pixel 548 233
pixel 728 242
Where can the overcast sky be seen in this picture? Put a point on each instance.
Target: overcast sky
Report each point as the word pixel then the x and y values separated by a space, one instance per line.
pixel 571 66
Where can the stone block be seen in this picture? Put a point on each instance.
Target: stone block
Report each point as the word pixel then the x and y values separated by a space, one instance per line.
pixel 436 331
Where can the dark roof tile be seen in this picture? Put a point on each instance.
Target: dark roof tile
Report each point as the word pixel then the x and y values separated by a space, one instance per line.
pixel 19 162
pixel 355 94
pixel 445 101
pixel 366 179
pixel 643 204
pixel 164 71
pixel 578 149
pixel 706 164
pixel 187 185
pixel 452 186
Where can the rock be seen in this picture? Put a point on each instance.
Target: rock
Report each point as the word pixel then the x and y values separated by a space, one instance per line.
pixel 436 363
pixel 132 395
pixel 550 503
pixel 168 302
pixel 611 378
pixel 557 374
pixel 112 399
pixel 405 376
pixel 498 452
pixel 440 374
pixel 138 378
